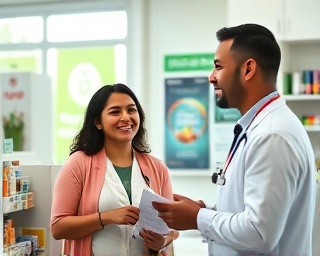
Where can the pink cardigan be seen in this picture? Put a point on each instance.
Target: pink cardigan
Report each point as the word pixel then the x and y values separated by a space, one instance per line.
pixel 79 183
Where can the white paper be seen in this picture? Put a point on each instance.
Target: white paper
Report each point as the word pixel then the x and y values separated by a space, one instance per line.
pixel 149 218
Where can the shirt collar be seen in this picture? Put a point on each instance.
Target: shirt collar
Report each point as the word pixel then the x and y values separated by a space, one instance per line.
pixel 245 120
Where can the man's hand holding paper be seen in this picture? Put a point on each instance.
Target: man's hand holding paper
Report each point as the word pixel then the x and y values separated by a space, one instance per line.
pixel 150 227
pixel 148 218
pixel 180 214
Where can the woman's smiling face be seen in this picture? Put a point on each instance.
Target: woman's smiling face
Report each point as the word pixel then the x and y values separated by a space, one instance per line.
pixel 120 118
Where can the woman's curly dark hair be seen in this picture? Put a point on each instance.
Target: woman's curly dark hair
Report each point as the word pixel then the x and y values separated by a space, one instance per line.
pixel 90 139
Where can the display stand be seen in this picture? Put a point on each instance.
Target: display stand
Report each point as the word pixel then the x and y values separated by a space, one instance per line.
pixel 27 113
pixel 42 180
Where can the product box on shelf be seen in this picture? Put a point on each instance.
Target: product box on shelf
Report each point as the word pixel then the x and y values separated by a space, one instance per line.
pixel 22 240
pixel 29 202
pixel 33 239
pixel 7 145
pixel 33 232
pixel 15 188
pixel 8 231
pixel 18 202
pixel 21 248
pixel 9 204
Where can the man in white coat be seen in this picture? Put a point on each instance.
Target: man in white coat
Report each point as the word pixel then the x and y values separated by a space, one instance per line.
pixel 267 188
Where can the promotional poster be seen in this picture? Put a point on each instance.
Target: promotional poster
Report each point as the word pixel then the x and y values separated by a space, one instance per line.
pixel 16 109
pixel 186 124
pixel 81 72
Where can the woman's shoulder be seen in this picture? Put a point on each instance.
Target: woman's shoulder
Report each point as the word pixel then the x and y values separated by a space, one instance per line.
pixel 78 159
pixel 147 157
pixel 78 155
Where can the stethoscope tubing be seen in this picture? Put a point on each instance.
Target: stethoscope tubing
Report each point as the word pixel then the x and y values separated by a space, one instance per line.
pixel 219 178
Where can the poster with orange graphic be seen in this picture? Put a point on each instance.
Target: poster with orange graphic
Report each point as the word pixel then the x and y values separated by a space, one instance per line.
pixel 186 123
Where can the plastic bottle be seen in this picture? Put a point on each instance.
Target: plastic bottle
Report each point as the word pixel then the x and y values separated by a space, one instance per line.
pixel 18 173
pixel 5 185
pixel 12 182
pixel 6 178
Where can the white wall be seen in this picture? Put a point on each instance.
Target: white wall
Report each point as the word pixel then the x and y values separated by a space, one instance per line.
pixel 177 26
pixel 173 27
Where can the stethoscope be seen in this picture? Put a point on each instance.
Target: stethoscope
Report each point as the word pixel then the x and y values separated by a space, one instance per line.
pixel 145 177
pixel 219 177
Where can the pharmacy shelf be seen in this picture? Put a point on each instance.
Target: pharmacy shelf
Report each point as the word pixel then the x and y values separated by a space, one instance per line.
pixel 312 128
pixel 24 157
pixel 18 210
pixel 302 97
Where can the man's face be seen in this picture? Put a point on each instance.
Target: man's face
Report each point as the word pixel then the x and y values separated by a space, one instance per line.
pixel 225 77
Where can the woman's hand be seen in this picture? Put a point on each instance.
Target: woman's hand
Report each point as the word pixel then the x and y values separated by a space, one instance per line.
pixel 201 204
pixel 157 241
pixel 127 215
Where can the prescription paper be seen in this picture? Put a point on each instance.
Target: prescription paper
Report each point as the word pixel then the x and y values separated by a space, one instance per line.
pixel 149 218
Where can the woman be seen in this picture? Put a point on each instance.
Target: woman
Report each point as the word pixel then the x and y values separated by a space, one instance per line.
pixel 98 189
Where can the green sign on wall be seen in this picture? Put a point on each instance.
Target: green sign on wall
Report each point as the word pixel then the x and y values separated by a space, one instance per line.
pixel 81 72
pixel 18 64
pixel 188 62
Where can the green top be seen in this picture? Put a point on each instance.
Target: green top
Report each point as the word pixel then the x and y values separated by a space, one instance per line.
pixel 125 176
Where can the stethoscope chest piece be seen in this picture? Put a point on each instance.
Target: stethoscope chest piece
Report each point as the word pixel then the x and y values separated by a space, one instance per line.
pixel 218 178
pixel 222 181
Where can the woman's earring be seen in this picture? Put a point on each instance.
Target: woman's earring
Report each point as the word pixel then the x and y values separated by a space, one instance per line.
pixel 99 127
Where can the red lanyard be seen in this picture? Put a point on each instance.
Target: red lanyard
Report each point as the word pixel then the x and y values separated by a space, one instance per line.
pixel 233 149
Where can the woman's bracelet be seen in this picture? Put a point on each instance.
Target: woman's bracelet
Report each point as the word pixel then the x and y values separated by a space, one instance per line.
pixel 156 253
pixel 100 220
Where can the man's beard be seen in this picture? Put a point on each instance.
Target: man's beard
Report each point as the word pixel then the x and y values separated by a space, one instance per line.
pixel 221 101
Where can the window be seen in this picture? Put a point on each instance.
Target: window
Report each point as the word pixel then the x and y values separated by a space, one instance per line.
pixel 21 30
pixel 87 26
pixel 79 51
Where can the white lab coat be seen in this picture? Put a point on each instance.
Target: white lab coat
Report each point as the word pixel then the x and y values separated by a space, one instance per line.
pixel 118 238
pixel 267 205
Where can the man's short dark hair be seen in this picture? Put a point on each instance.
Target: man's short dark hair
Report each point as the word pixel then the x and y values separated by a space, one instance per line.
pixel 257 42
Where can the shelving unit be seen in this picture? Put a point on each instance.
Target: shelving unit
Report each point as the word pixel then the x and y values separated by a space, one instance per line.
pixel 9 212
pixel 42 180
pixel 302 97
pixel 302 54
pixel 3 158
pixel 299 40
pixel 307 106
pixel 25 157
pixel 312 128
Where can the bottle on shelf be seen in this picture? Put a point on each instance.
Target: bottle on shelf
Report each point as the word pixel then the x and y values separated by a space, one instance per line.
pixel 12 181
pixel 302 82
pixel 5 182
